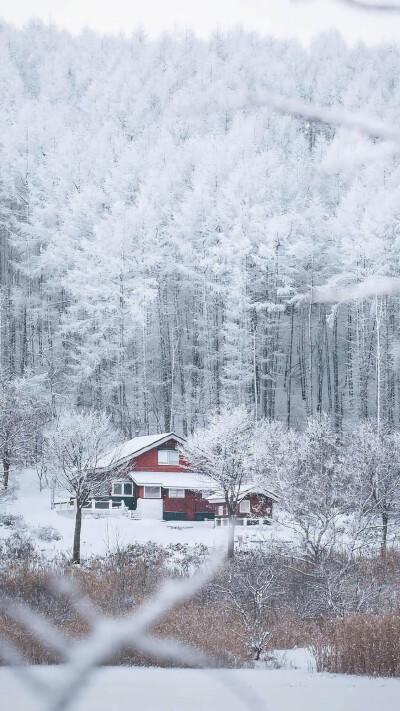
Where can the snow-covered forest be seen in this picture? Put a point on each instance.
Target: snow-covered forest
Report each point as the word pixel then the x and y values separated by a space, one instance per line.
pixel 200 242
pixel 165 234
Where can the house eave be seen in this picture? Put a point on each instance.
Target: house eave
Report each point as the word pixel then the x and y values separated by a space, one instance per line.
pixel 171 480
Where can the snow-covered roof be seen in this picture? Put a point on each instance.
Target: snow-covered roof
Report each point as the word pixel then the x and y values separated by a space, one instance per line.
pixel 178 480
pixel 250 488
pixel 132 448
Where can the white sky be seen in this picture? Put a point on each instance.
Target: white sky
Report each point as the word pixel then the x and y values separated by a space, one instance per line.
pixel 278 17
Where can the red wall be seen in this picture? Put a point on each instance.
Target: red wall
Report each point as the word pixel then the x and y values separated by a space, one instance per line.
pixel 192 503
pixel 259 505
pixel 149 460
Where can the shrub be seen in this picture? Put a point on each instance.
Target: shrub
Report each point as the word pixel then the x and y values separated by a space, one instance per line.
pixel 48 534
pixel 225 617
pixel 17 547
pixel 10 520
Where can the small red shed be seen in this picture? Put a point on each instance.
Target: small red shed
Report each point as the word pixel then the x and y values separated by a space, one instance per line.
pixel 254 507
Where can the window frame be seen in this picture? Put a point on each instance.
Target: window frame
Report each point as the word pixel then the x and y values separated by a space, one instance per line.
pixel 121 483
pixel 151 486
pixel 176 496
pixel 167 453
pixel 247 504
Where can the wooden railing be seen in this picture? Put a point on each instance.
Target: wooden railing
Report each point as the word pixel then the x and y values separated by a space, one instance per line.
pixel 106 505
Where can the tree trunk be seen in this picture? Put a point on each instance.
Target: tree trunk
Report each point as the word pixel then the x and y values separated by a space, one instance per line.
pixel 6 471
pixel 335 361
pixel 76 554
pixel 385 521
pixel 378 364
pixel 349 358
pixel 231 536
pixel 310 363
pixel 320 360
pixel 289 371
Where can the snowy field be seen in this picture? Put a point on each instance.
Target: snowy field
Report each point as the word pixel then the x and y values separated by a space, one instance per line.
pixel 102 533
pixel 123 689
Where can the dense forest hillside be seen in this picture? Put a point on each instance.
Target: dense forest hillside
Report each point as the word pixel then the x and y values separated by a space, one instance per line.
pixel 163 232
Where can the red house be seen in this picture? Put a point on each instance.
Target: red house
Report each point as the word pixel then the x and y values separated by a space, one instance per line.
pixel 149 477
pixel 148 474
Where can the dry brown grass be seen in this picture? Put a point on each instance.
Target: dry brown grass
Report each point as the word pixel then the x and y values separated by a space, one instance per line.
pixel 361 644
pixel 288 632
pixel 117 586
pixel 298 616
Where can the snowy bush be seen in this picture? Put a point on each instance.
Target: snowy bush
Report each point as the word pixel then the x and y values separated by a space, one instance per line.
pixel 270 661
pixel 17 547
pixel 10 520
pixel 48 534
pixel 184 558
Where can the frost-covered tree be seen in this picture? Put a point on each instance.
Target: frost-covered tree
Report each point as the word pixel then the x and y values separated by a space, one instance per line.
pixel 165 235
pixel 72 449
pixel 222 451
pixel 252 587
pixel 372 460
pixel 304 468
pixel 22 415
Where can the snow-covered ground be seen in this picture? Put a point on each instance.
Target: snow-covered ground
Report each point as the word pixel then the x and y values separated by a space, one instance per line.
pixel 297 658
pixel 123 688
pixel 103 532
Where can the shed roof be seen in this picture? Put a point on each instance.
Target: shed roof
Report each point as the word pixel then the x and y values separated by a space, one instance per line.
pixel 251 488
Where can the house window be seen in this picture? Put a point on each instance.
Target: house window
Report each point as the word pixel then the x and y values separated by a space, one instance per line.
pixel 168 456
pixel 152 492
pixel 177 493
pixel 122 488
pixel 220 510
pixel 244 506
